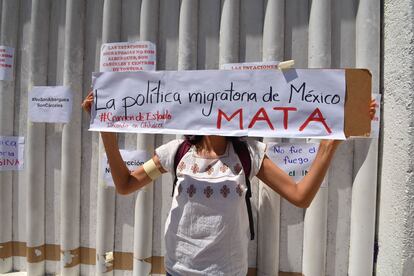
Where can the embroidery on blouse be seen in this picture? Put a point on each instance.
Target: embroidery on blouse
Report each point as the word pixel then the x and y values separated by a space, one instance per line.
pixel 209 169
pixel 181 166
pixel 224 191
pixel 191 190
pixel 208 191
pixel 224 168
pixel 239 190
pixel 194 168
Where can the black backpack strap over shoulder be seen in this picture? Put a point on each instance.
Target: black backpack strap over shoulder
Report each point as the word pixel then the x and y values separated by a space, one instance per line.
pixel 244 156
pixel 183 148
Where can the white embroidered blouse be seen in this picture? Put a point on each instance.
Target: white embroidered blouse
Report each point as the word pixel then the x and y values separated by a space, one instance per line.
pixel 207 229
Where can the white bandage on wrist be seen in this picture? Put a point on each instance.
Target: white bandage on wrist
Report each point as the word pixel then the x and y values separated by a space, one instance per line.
pixel 151 169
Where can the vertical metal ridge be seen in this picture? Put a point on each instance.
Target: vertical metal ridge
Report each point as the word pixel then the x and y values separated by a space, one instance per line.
pixel 111 28
pixel 229 32
pixel 364 188
pixel 144 202
pixel 71 138
pixel 188 31
pixel 35 140
pixel 268 221
pixel 9 12
pixel 315 221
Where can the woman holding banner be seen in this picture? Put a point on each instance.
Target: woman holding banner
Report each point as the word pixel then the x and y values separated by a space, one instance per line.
pixel 207 229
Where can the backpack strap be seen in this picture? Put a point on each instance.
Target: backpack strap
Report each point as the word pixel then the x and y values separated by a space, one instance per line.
pixel 244 156
pixel 183 148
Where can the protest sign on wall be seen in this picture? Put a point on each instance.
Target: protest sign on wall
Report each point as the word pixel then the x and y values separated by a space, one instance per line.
pixel 262 65
pixel 6 63
pixel 270 103
pixel 128 57
pixel 295 159
pixel 11 153
pixel 50 104
pixel 375 123
pixel 132 159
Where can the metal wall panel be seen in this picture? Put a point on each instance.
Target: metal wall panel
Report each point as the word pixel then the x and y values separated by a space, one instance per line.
pixel 58 207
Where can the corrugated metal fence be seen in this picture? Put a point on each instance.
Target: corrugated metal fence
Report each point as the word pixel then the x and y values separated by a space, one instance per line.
pixel 57 217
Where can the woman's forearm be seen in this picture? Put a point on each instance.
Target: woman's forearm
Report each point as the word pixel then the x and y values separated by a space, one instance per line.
pixel 119 171
pixel 309 185
pixel 301 193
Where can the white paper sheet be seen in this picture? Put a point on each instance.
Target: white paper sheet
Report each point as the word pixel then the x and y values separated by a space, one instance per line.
pixel 6 63
pixel 11 153
pixel 50 104
pixel 294 158
pixel 128 57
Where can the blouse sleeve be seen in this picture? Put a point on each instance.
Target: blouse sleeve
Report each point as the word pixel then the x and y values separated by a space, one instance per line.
pixel 166 154
pixel 257 152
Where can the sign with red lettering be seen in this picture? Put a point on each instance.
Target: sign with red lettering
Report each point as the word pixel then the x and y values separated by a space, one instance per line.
pixel 6 63
pixel 128 57
pixel 260 65
pixel 295 103
pixel 11 153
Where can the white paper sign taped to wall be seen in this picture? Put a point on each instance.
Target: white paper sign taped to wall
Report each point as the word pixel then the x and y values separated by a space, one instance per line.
pixel 221 102
pixel 128 57
pixel 6 63
pixel 132 159
pixel 50 104
pixel 11 153
pixel 262 65
pixel 294 158
pixel 375 123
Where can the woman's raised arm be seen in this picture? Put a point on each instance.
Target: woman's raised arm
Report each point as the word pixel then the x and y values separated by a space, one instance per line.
pixel 302 193
pixel 125 181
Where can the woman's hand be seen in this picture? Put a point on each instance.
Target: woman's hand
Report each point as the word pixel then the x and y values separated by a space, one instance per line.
pixel 87 102
pixel 372 109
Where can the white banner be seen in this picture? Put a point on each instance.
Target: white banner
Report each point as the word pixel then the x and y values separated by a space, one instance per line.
pixel 271 103
pixel 132 159
pixel 295 159
pixel 11 153
pixel 6 63
pixel 50 104
pixel 128 57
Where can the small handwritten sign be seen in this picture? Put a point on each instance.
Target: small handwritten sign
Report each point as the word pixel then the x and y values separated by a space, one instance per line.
pixel 6 63
pixel 11 153
pixel 262 65
pixel 132 159
pixel 221 102
pixel 50 104
pixel 375 123
pixel 295 159
pixel 128 57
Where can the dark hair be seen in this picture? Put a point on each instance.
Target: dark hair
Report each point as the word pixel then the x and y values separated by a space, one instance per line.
pixel 194 139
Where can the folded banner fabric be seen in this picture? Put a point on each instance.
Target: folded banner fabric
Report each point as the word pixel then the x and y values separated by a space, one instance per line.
pixel 296 103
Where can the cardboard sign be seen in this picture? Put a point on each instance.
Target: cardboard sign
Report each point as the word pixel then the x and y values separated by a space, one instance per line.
pixel 50 104
pixel 262 65
pixel 298 103
pixel 11 153
pixel 295 159
pixel 6 63
pixel 132 159
pixel 128 57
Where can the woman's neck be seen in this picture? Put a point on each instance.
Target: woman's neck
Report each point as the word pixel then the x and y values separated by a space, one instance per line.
pixel 212 146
